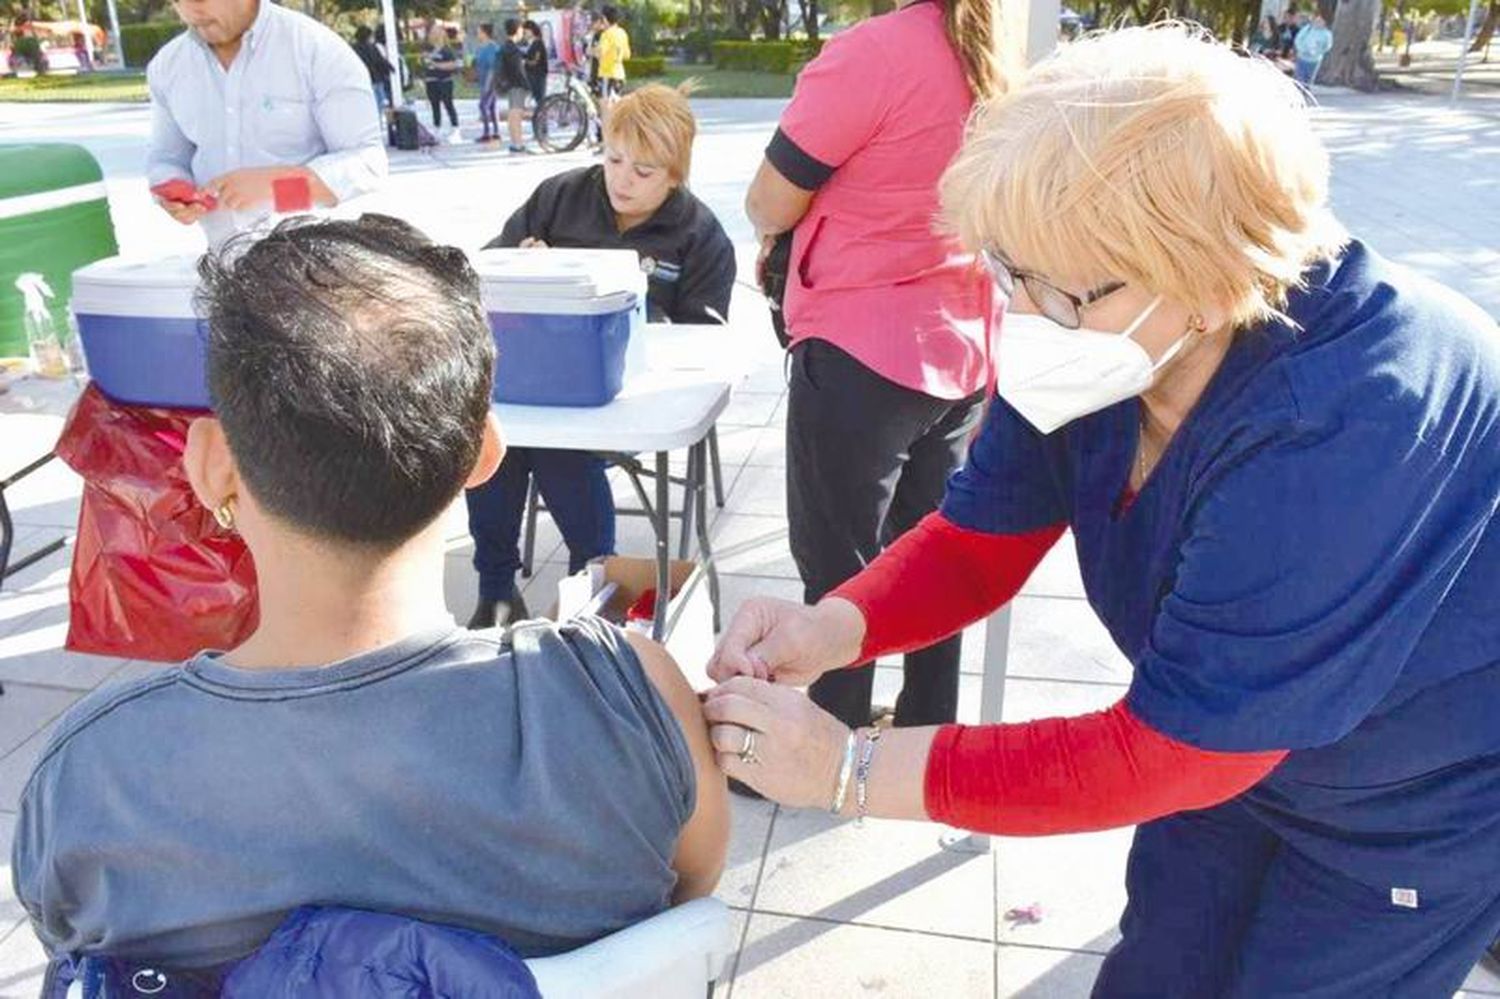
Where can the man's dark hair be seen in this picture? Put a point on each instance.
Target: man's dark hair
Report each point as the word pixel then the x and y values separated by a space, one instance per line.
pixel 453 34
pixel 610 13
pixel 363 34
pixel 533 27
pixel 487 30
pixel 350 363
pixel 512 25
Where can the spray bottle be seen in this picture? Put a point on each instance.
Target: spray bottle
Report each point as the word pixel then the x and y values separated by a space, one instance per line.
pixel 41 332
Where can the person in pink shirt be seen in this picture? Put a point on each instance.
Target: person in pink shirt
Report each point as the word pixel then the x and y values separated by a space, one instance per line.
pixel 889 319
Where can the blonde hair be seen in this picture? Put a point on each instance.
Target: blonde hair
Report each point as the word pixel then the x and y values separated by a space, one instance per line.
pixel 973 31
pixel 656 124
pixel 1154 156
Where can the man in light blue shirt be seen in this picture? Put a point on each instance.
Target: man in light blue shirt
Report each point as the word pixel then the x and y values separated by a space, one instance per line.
pixel 251 92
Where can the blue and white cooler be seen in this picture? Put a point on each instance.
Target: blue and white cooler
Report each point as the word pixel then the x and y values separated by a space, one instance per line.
pixel 566 322
pixel 141 338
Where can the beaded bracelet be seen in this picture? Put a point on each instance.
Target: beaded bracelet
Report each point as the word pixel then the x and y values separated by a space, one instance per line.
pixel 841 793
pixel 862 777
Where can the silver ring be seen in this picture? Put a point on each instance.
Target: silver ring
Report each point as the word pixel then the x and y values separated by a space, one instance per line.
pixel 747 753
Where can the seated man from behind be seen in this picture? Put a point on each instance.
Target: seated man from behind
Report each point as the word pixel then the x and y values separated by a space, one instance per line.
pixel 547 786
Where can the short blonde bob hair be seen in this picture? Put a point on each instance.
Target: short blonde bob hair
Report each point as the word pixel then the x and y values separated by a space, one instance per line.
pixel 1154 156
pixel 655 124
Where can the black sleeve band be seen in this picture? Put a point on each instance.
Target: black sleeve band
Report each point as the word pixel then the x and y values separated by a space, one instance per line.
pixel 795 165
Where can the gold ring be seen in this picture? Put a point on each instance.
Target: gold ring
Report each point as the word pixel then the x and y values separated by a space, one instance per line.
pixel 747 751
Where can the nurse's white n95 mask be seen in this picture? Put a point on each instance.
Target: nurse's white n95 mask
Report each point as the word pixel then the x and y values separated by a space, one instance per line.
pixel 1053 375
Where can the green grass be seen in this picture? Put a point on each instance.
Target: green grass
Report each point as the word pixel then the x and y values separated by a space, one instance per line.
pixel 723 83
pixel 82 88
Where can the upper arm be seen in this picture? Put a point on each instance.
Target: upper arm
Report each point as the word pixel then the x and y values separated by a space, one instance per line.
pixel 343 98
pixel 1010 482
pixel 705 838
pixel 708 281
pixel 840 101
pixel 835 111
pixel 171 152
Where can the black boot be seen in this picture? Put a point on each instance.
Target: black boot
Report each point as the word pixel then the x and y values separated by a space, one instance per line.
pixel 498 613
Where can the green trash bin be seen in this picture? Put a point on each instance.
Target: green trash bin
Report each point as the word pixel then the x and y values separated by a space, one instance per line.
pixel 54 218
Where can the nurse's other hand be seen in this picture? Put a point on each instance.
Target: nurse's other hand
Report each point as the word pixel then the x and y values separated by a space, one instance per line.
pixel 798 746
pixel 187 214
pixel 532 243
pixel 789 643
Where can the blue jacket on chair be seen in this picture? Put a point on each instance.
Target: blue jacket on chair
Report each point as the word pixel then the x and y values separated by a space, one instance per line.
pixel 319 951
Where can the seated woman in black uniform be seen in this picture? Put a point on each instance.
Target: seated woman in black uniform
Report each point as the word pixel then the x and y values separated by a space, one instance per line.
pixel 638 200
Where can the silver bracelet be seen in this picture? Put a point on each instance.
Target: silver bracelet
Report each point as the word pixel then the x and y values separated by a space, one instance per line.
pixel 841 792
pixel 862 777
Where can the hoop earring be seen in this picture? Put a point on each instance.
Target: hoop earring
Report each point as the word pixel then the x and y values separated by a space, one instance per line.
pixel 224 515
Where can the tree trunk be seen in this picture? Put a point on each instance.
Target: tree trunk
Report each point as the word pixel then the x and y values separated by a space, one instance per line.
pixel 771 13
pixel 1351 63
pixel 1488 30
pixel 810 18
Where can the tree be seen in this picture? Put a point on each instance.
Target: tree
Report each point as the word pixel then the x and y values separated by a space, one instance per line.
pixel 810 15
pixel 1351 62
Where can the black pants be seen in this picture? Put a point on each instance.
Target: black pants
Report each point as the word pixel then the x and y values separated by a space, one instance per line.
pixel 866 460
pixel 440 95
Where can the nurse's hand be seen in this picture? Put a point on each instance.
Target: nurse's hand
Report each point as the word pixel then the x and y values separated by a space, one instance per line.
pixel 797 747
pixel 789 643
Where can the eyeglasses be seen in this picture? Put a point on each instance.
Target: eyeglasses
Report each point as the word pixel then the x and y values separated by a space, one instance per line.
pixel 1062 307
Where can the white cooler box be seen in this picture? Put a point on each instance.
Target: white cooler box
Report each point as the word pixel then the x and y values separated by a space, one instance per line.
pixel 141 338
pixel 566 323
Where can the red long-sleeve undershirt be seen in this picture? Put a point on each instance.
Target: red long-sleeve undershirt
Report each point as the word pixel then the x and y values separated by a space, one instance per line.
pixel 1053 775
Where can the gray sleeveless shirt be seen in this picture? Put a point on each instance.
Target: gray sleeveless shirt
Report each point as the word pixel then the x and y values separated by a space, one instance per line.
pixel 532 787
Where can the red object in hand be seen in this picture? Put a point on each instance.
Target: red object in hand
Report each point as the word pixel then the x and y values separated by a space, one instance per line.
pixel 153 576
pixel 291 194
pixel 184 192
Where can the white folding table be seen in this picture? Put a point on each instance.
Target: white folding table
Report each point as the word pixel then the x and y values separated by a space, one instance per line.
pixel 658 411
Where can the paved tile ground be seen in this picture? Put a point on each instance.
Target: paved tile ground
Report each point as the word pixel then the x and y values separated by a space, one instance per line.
pixel 823 908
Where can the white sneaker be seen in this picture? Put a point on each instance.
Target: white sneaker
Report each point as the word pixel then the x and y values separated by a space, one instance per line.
pixel 455 137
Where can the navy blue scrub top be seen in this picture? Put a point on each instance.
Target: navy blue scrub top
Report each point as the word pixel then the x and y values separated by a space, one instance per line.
pixel 1314 564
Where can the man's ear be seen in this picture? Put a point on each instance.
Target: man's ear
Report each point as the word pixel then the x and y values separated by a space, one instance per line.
pixel 209 466
pixel 491 453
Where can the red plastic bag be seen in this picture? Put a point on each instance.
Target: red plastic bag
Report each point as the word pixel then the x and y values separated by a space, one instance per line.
pixel 153 576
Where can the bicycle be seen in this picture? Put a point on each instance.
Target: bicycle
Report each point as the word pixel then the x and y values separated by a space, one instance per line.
pixel 563 120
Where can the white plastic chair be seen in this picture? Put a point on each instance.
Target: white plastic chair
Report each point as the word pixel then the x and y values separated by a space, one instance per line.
pixel 676 955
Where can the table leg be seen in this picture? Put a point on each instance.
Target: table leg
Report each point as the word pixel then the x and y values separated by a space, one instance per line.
pixel 718 469
pixel 691 486
pixel 8 528
pixel 528 548
pixel 661 520
pixel 991 706
pixel 705 549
